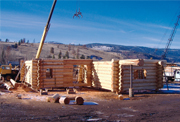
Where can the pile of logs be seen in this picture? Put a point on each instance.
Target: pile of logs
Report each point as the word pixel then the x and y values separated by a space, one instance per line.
pixel 56 98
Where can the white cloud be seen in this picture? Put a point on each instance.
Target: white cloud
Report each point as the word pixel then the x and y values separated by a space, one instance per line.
pixel 152 39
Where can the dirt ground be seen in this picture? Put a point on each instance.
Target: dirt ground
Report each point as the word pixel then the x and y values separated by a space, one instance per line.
pixel 98 106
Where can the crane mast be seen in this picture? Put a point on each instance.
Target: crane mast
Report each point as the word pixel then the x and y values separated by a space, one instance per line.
pixel 45 31
pixel 170 38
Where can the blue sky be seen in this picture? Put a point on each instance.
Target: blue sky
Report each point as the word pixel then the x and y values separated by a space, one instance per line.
pixel 132 23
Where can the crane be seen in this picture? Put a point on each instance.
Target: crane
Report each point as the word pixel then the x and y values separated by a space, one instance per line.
pixel 170 38
pixel 45 30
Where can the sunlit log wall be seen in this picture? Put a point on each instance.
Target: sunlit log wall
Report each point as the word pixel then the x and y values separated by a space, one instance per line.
pixel 45 73
pixel 115 75
pixel 106 75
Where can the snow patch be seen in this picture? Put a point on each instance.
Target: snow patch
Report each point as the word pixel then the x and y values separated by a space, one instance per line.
pixel 104 48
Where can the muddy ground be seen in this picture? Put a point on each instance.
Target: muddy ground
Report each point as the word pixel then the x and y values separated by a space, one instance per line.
pixel 98 106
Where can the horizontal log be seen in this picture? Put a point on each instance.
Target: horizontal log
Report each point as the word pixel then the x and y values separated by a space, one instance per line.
pixel 151 73
pixel 139 85
pixel 54 70
pixel 106 68
pixel 102 66
pixel 54 67
pixel 53 79
pixel 78 62
pixel 138 67
pixel 159 62
pixel 147 76
pixel 137 62
pixel 106 64
pixel 139 88
pixel 127 80
pixel 106 73
pixel 140 81
pixel 149 65
pixel 103 76
pixel 81 84
pixel 49 86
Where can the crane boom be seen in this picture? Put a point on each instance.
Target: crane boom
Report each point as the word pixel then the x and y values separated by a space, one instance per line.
pixel 170 38
pixel 45 30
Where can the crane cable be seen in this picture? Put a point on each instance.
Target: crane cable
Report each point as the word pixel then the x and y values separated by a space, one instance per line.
pixel 172 20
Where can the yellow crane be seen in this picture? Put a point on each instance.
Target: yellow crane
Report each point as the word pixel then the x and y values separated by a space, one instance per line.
pixel 45 31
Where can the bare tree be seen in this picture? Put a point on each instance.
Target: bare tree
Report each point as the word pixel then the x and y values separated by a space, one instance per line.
pixel 69 47
pixel 8 56
pixel 77 53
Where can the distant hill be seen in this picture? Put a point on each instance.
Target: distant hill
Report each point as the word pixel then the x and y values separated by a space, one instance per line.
pixel 96 51
pixel 28 51
pixel 132 52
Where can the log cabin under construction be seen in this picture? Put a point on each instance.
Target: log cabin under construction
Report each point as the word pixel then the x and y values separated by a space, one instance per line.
pixel 116 75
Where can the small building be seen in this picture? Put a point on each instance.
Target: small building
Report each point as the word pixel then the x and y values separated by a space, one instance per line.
pixel 49 73
pixel 115 75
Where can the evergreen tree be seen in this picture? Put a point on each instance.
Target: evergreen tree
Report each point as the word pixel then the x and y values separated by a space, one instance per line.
pixel 82 57
pixel 19 43
pixel 3 57
pixel 53 57
pixel 67 54
pixel 52 50
pixel 49 56
pixel 60 54
pixel 88 57
pixel 7 40
pixel 15 45
pixel 77 53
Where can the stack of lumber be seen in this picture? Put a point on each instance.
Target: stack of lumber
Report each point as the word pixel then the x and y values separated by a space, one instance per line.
pixel 45 73
pixel 105 75
pixel 152 71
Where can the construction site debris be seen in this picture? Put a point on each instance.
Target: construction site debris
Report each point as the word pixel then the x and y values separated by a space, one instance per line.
pixel 19 96
pixel 64 100
pixel 43 92
pixel 53 99
pixel 71 90
pixel 120 97
pixel 8 86
pixel 14 83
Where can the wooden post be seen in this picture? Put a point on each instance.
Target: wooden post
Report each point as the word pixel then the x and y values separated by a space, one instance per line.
pixel 131 94
pixel 89 75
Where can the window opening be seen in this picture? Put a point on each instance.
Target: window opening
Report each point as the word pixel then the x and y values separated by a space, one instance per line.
pixel 49 73
pixel 140 74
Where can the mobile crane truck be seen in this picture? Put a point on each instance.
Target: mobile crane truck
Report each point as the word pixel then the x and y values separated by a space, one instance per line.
pixel 7 72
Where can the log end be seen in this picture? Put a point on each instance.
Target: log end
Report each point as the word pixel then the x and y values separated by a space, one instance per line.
pixel 79 100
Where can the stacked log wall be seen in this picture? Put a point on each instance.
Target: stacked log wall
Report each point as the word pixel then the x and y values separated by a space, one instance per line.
pixel 153 76
pixel 61 73
pixel 106 75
